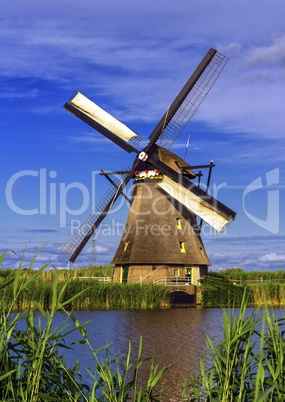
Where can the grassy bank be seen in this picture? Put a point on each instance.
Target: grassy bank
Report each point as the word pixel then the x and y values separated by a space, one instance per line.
pixel 93 294
pixel 221 292
pixel 222 289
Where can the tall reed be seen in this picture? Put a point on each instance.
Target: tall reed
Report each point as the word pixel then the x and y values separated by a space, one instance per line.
pixel 247 365
pixel 268 293
pixel 220 292
pixel 93 294
pixel 32 367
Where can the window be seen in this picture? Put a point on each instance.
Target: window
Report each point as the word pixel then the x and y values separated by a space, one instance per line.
pixel 188 274
pixel 182 246
pixel 176 272
pixel 188 271
pixel 178 223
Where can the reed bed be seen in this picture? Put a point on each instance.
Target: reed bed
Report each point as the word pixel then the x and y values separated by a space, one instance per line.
pixel 220 292
pixel 94 295
pixel 62 274
pixel 117 296
pixel 267 294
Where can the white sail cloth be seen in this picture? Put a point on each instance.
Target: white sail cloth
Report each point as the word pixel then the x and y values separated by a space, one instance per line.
pixel 102 117
pixel 209 213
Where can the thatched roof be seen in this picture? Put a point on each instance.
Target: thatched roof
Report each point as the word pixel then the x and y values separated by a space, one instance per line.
pixel 158 230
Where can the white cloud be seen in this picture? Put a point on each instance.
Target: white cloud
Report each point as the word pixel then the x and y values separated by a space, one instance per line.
pixel 132 58
pixel 271 54
pixel 101 249
pixel 272 257
pixel 151 66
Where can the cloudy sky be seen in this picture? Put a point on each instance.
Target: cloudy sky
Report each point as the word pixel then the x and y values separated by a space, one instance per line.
pixel 132 58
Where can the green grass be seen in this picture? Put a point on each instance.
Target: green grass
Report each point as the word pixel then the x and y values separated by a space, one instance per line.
pixel 94 294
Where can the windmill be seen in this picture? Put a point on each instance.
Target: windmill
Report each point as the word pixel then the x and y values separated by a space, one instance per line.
pixel 162 236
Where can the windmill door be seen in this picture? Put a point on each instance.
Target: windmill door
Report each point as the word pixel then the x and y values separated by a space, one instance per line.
pixel 125 273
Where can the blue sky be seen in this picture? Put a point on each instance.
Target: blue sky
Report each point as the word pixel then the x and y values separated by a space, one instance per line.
pixel 132 58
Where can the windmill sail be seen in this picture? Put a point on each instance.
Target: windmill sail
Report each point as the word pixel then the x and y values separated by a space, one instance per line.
pixel 78 241
pixel 210 213
pixel 102 117
pixel 189 99
pixel 103 122
pixel 173 183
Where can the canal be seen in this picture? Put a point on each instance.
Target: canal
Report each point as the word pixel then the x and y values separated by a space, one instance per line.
pixel 175 336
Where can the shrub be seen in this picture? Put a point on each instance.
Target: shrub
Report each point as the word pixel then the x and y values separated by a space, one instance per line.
pixel 219 292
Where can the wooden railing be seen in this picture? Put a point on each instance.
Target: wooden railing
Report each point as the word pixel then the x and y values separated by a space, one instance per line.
pixel 175 281
pixel 97 278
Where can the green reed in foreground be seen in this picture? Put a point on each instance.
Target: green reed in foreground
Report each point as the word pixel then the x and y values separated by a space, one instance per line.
pixel 32 367
pixel 248 364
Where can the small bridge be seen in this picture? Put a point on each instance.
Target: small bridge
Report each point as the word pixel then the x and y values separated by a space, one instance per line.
pixel 182 290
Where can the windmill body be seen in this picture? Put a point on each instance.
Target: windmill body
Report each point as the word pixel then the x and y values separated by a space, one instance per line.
pixel 162 235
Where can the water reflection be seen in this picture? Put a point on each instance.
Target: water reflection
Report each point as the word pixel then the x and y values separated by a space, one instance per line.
pixel 174 336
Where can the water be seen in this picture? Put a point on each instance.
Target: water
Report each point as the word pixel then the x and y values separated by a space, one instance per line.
pixel 174 336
